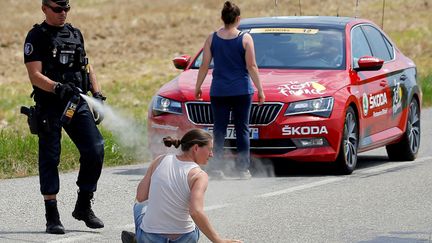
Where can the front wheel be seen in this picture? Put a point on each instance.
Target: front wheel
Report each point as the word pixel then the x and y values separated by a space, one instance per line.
pixel 347 158
pixel 407 148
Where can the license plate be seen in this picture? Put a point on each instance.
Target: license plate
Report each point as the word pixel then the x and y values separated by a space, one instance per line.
pixel 231 134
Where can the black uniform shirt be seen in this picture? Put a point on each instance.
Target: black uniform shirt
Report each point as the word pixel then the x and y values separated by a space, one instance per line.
pixel 37 44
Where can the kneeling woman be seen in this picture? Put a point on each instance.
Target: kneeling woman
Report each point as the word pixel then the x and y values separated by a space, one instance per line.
pixel 174 186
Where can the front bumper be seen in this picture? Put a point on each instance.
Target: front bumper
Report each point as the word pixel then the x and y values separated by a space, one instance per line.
pixel 279 139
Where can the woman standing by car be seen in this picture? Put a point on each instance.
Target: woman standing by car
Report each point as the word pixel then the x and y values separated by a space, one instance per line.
pixel 174 187
pixel 231 89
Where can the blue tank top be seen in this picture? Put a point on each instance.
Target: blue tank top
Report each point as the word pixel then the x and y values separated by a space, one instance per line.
pixel 230 76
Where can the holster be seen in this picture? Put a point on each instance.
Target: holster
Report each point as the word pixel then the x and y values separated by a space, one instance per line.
pixel 32 118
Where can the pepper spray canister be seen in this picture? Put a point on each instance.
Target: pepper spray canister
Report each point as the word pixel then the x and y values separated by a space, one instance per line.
pixel 70 109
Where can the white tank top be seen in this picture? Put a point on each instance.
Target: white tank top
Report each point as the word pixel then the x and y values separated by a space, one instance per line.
pixel 168 201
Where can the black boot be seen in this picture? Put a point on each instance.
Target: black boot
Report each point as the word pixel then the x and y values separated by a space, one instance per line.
pixel 53 225
pixel 84 212
pixel 128 237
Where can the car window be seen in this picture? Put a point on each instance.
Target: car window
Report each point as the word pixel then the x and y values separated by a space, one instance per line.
pixel 389 47
pixel 376 40
pixel 359 44
pixel 296 48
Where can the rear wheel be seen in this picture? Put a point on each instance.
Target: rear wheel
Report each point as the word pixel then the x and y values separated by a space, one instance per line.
pixel 347 158
pixel 407 148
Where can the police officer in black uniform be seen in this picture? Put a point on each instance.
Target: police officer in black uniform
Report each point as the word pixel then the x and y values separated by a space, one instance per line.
pixel 58 69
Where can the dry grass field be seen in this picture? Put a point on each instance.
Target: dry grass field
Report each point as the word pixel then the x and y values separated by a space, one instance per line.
pixel 131 43
pixel 129 40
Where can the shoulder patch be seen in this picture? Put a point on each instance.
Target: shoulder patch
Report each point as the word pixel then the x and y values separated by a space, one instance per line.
pixel 28 49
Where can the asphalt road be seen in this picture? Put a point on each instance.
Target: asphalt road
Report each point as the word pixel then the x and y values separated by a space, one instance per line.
pixel 382 201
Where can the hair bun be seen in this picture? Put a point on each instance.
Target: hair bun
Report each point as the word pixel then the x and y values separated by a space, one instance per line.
pixel 169 141
pixel 228 5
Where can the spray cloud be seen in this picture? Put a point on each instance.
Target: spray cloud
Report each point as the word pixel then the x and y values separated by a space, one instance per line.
pixel 127 132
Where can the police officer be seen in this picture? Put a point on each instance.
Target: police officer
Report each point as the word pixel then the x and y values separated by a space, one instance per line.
pixel 58 69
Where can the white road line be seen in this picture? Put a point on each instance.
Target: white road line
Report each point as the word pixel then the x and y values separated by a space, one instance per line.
pixel 336 179
pixel 392 165
pixel 76 238
pixel 302 187
pixel 214 207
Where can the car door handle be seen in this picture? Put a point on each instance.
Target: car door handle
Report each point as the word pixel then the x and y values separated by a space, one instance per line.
pixel 403 77
pixel 383 83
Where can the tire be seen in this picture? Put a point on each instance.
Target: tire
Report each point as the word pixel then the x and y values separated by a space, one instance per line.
pixel 407 148
pixel 347 157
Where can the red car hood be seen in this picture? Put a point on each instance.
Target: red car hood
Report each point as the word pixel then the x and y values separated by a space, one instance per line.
pixel 278 85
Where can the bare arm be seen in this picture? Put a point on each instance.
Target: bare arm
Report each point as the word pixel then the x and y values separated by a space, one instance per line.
pixel 95 86
pixel 34 70
pixel 202 73
pixel 144 185
pixel 196 209
pixel 252 67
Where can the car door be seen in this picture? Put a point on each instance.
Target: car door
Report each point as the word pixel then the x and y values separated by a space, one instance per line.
pixel 374 89
pixel 383 49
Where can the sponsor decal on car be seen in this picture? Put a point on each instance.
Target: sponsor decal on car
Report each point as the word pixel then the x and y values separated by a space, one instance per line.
pixel 288 130
pixel 397 98
pixel 373 101
pixel 284 30
pixel 379 113
pixel 300 88
pixel 365 103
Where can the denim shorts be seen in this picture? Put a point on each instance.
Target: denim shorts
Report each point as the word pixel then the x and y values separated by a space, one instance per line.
pixel 144 237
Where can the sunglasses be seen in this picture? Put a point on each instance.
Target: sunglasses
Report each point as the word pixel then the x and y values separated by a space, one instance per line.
pixel 58 9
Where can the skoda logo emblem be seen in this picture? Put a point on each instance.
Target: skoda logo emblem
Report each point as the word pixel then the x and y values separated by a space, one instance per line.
pixel 365 104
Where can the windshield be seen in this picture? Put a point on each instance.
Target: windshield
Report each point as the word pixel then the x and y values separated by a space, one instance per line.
pixel 296 48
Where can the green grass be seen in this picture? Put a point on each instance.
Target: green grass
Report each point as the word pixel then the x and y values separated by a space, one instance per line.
pixel 18 154
pixel 426 85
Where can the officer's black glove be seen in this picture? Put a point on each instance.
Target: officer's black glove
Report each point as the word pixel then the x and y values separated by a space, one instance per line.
pixel 98 116
pixel 99 96
pixel 66 91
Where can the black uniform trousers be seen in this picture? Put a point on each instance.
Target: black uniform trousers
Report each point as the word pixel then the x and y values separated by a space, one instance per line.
pixel 85 135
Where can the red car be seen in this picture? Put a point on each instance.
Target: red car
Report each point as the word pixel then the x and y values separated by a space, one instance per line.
pixel 334 86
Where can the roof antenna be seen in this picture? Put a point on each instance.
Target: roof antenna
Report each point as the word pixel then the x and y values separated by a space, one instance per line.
pixel 382 20
pixel 300 7
pixel 356 7
pixel 275 3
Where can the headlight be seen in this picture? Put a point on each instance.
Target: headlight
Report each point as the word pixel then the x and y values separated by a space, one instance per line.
pixel 164 105
pixel 319 107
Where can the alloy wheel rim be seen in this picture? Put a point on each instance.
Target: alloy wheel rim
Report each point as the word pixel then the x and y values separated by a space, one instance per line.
pixel 413 127
pixel 350 140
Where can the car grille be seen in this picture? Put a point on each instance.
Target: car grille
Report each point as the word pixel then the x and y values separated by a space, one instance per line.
pixel 264 146
pixel 200 113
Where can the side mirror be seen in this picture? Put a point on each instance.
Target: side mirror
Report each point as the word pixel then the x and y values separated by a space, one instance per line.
pixel 181 62
pixel 368 63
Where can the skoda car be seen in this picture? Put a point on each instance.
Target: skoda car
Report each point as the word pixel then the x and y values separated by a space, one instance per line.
pixel 334 86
